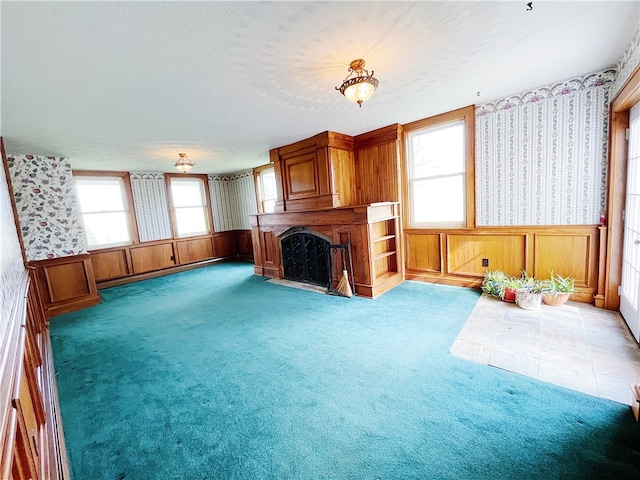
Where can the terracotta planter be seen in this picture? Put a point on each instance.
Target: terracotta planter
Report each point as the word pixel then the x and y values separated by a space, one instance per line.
pixel 509 295
pixel 555 299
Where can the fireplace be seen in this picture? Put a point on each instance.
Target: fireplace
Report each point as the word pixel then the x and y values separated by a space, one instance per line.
pixel 305 256
pixel 370 230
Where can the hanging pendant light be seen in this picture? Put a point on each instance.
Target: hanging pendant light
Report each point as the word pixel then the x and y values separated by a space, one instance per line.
pixel 360 87
pixel 184 164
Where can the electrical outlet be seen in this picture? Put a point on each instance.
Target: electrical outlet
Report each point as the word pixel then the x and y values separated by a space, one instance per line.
pixel 485 262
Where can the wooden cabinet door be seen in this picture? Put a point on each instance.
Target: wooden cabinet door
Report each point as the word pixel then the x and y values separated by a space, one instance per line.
pixel 194 250
pixel 152 257
pixel 301 177
pixel 245 246
pixel 109 265
pixel 224 245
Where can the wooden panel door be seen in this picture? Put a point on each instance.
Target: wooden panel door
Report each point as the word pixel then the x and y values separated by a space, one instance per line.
pixel 243 240
pixel 423 252
pixel 66 281
pixel 466 252
pixel 30 417
pixel 566 255
pixel 195 250
pixel 109 265
pixel 152 257
pixel 270 254
pixel 630 285
pixel 301 176
pixel 224 245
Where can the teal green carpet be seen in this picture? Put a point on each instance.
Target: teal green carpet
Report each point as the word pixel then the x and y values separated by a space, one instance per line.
pixel 216 374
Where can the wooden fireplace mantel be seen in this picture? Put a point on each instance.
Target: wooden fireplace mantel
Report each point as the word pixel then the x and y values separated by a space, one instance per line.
pixel 371 231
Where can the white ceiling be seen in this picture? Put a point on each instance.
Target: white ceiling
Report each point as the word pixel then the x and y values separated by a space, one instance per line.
pixel 129 85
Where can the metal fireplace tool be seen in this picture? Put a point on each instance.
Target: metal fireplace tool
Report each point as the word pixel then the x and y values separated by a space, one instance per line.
pixel 345 287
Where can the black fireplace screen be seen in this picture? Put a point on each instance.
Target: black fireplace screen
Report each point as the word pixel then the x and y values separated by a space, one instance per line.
pixel 305 259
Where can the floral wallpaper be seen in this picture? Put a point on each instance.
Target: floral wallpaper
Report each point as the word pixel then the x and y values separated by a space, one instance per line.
pixel 628 62
pixel 541 156
pixel 11 265
pixel 233 199
pixel 151 205
pixel 47 206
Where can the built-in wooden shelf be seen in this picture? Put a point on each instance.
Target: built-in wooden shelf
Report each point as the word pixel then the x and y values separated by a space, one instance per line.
pixel 382 255
pixel 382 239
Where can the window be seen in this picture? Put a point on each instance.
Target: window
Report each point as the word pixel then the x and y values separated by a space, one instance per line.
pixel 266 188
pixel 266 180
pixel 189 206
pixel 440 171
pixel 104 209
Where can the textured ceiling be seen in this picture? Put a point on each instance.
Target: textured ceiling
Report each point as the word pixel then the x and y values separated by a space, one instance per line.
pixel 129 85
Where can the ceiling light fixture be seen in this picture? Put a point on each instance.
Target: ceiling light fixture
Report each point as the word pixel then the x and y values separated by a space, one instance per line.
pixel 358 89
pixel 184 164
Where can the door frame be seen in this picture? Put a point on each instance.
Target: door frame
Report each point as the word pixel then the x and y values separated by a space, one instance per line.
pixel 629 301
pixel 626 98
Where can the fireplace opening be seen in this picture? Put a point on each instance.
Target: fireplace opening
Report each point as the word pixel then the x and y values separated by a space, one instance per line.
pixel 305 257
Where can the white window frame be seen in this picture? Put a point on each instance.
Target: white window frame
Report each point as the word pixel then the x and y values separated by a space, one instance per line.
pixel 261 197
pixel 467 116
pixel 204 204
pixel 126 210
pixel 264 198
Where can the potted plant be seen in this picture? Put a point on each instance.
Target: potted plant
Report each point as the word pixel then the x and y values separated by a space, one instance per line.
pixel 529 295
pixel 558 289
pixel 493 283
pixel 511 285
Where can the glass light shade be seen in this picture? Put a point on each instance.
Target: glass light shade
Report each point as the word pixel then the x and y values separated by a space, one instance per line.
pixel 184 164
pixel 360 87
pixel 361 91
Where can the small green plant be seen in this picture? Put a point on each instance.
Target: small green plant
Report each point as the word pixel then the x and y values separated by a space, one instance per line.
pixel 558 284
pixel 538 286
pixel 531 284
pixel 514 282
pixel 493 283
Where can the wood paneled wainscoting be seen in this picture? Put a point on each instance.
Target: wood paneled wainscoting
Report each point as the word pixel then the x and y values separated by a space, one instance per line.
pixel 30 430
pixel 65 284
pixel 455 256
pixel 127 263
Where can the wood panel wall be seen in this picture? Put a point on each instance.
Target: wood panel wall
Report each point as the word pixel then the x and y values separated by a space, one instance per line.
pixel 314 173
pixel 30 433
pixel 442 256
pixel 377 165
pixel 66 284
pixel 126 263
pixel 455 256
pixel 244 244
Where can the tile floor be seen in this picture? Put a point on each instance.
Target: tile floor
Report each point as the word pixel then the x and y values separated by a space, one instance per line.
pixel 576 346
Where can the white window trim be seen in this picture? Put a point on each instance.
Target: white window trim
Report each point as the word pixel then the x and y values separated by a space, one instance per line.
pixel 204 206
pixel 467 115
pixel 125 204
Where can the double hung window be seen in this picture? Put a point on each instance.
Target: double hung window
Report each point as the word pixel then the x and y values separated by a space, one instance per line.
pixel 189 206
pixel 440 172
pixel 268 192
pixel 104 210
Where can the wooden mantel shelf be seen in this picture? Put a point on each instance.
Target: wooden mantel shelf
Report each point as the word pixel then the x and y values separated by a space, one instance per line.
pixel 357 215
